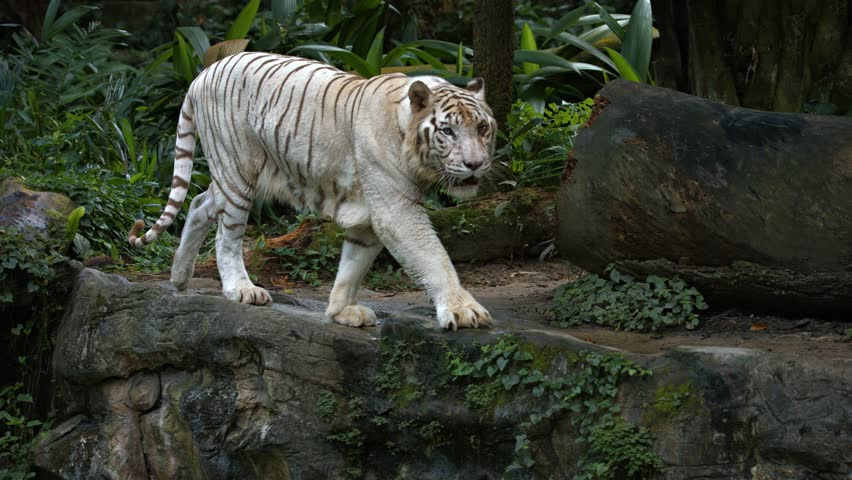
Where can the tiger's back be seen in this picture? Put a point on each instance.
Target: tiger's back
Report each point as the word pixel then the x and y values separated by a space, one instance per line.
pixel 290 123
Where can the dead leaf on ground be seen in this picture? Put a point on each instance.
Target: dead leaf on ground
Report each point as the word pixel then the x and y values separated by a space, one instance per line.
pixel 758 327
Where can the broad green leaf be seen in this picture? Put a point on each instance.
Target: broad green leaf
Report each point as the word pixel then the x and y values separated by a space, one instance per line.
pixel 586 47
pixel 602 36
pixel 182 60
pixel 528 43
pixel 49 17
pixel 567 21
pixel 361 31
pixel 636 47
pixel 624 69
pixel 596 18
pixel 611 22
pixel 197 38
pixel 428 58
pixel 73 223
pixel 374 55
pixel 391 58
pixel 541 58
pixel 242 24
pixel 67 19
pixel 451 49
pixel 460 60
pixel 352 61
pixel 129 139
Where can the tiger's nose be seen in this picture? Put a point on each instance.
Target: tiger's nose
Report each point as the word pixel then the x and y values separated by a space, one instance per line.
pixel 473 164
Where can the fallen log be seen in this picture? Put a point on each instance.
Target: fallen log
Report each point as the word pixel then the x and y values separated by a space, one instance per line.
pixel 753 208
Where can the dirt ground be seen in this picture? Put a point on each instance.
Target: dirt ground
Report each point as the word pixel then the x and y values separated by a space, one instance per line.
pixel 524 290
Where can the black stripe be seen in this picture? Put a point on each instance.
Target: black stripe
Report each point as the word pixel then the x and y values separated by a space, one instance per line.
pixel 357 92
pixel 182 153
pixel 225 194
pixel 360 243
pixel 179 182
pixel 325 92
pixel 265 75
pixel 302 103
pixel 311 144
pixel 337 98
pixel 384 81
pixel 281 121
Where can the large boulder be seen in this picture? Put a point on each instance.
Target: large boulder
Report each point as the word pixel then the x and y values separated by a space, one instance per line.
pixel 32 224
pixel 752 208
pixel 160 384
pixel 40 216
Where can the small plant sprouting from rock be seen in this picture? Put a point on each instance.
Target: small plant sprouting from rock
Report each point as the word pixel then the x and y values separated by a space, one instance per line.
pixel 623 303
pixel 588 389
pixel 351 438
pixel 620 449
pixel 326 405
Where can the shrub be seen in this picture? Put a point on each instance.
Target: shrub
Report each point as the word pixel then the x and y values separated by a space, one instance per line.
pixel 622 303
pixel 538 143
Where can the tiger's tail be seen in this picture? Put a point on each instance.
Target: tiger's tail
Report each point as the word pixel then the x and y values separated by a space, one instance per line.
pixel 184 148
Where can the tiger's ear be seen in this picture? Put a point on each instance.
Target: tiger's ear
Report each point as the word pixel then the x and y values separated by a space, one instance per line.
pixel 477 88
pixel 420 96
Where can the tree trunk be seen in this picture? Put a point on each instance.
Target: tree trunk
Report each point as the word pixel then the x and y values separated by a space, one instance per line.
pixel 778 55
pixel 493 47
pixel 754 208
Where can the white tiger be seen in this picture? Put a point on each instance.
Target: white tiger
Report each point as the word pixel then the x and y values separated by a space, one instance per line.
pixel 358 150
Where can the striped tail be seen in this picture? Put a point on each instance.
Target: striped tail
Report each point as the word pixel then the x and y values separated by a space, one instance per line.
pixel 184 147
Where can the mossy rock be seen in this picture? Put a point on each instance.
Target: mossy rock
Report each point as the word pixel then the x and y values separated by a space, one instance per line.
pixel 39 216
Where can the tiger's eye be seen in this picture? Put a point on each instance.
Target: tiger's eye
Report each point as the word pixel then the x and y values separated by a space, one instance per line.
pixel 482 129
pixel 448 132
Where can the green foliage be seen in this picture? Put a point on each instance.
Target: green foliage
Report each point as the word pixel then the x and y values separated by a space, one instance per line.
pixel 620 450
pixel 556 48
pixel 392 377
pixel 73 223
pixel 538 143
pixel 319 260
pixel 622 303
pixel 587 390
pixel 351 438
pixel 110 202
pixel 75 119
pixel 326 405
pixel 20 254
pixel 18 434
pixel 387 276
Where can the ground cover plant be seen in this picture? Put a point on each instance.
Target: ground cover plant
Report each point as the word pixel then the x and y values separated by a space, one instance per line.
pixel 621 302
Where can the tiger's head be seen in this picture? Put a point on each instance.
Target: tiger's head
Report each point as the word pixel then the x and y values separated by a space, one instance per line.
pixel 452 132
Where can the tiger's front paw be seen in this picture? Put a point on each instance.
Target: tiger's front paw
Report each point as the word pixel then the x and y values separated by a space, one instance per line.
pixel 251 295
pixel 355 316
pixel 468 314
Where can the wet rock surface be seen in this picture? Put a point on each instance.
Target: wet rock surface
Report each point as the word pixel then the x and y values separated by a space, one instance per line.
pixel 156 384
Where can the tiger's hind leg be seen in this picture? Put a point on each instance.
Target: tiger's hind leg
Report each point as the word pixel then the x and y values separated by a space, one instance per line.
pixel 359 251
pixel 202 214
pixel 233 211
